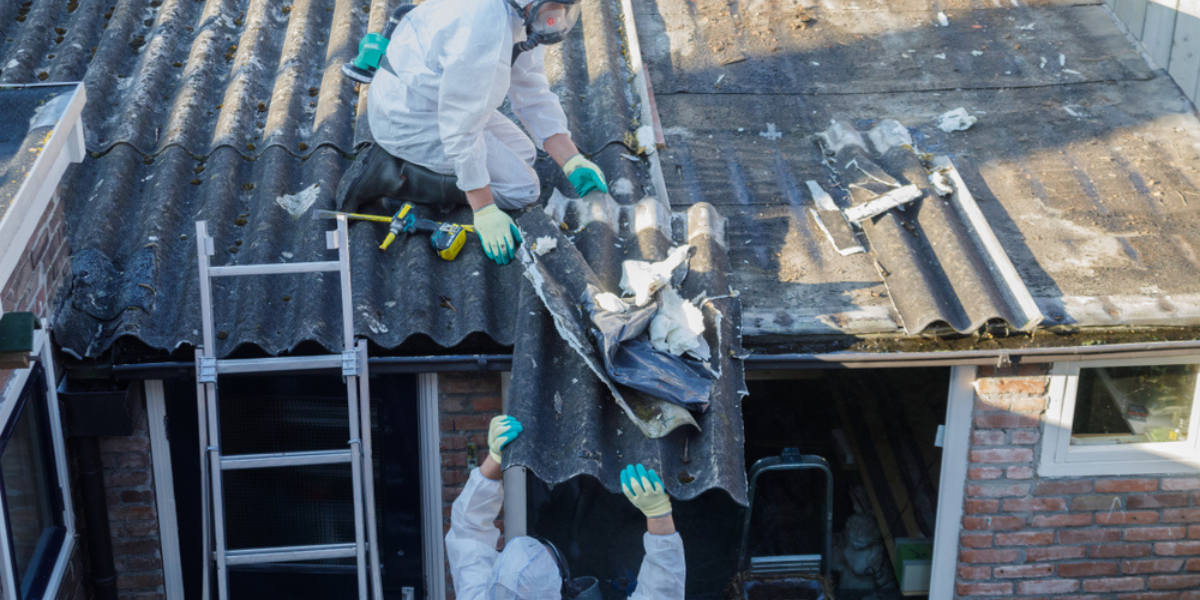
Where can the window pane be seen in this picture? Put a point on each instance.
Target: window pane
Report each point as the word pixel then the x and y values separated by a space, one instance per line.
pixel 27 485
pixel 1120 405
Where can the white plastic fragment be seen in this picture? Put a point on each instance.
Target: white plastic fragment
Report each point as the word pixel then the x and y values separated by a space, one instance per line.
pixel 611 302
pixel 838 136
pixel 882 204
pixel 1071 72
pixel 299 203
pixel 955 120
pixel 888 134
pixel 645 139
pixel 943 20
pixel 641 279
pixel 543 245
pixel 976 53
pixel 1062 59
pixel 678 327
pixel 820 197
pixel 940 56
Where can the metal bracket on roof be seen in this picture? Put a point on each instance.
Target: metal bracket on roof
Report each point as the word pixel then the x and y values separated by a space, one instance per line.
pixel 1004 360
pixel 351 367
pixel 208 369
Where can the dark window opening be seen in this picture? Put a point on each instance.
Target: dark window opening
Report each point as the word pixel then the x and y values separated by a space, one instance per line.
pixel 301 505
pixel 32 498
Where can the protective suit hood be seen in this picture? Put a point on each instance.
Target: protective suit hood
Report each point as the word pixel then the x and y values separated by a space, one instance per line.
pixel 525 571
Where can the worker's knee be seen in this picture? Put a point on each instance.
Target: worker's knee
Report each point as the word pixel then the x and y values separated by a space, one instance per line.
pixel 515 195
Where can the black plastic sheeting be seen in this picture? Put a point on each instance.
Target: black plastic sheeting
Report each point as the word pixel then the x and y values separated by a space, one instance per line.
pixel 573 423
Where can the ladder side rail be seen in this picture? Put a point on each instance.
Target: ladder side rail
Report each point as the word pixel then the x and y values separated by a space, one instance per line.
pixel 364 394
pixel 206 349
pixel 218 491
pixel 205 514
pixel 343 246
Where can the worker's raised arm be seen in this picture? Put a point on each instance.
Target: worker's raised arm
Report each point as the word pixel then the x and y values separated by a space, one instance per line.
pixel 471 542
pixel 663 573
pixel 469 55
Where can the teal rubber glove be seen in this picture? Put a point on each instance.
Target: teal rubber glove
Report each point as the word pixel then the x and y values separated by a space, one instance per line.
pixel 645 490
pixel 497 233
pixel 585 176
pixel 501 431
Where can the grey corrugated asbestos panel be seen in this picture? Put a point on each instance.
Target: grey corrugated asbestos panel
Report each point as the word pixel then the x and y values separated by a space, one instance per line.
pixel 215 110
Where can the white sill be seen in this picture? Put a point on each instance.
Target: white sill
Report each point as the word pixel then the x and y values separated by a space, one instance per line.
pixel 1190 466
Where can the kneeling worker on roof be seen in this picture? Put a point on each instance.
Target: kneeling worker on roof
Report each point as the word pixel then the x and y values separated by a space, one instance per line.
pixel 531 568
pixel 432 109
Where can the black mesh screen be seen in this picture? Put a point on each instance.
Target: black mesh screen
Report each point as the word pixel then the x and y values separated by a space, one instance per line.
pixel 282 414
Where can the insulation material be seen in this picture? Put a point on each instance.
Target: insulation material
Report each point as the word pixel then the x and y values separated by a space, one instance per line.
pixel 678 327
pixel 641 279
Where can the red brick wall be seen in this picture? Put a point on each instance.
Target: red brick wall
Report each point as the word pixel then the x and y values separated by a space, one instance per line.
pixel 133 513
pixel 40 272
pixel 466 404
pixel 1119 538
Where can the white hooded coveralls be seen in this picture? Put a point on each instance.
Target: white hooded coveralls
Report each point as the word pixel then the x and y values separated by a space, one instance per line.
pixel 452 63
pixel 471 548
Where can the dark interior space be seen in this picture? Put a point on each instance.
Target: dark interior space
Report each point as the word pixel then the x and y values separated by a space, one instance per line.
pixel 875 428
pixel 300 505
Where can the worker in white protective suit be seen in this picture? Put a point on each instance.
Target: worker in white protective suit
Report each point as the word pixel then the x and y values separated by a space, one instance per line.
pixel 432 109
pixel 532 569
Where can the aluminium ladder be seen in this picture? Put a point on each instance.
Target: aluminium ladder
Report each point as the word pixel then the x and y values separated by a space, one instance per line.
pixel 353 364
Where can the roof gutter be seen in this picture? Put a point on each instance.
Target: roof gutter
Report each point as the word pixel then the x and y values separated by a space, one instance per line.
pixel 490 363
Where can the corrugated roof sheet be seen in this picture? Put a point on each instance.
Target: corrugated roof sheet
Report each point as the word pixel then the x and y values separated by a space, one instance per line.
pixel 566 409
pixel 218 110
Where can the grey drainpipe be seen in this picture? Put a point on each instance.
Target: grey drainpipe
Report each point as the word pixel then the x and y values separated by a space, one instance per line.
pixel 760 362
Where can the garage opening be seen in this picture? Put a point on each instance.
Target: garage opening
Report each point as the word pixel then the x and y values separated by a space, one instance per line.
pixel 878 433
pixel 876 430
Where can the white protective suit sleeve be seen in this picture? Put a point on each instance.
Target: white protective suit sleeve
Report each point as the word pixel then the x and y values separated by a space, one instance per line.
pixel 471 542
pixel 469 55
pixel 538 108
pixel 663 571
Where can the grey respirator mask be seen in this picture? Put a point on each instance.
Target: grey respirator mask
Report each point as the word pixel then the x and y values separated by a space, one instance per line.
pixel 546 22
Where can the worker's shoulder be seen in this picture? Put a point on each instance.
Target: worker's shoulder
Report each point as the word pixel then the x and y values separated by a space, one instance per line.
pixel 489 11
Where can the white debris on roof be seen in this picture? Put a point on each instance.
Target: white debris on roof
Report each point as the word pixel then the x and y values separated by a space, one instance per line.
pixel 882 204
pixel 976 53
pixel 771 133
pixel 621 187
pixel 678 327
pixel 1062 59
pixel 955 120
pixel 943 20
pixel 543 245
pixel 645 139
pixel 889 134
pixel 641 279
pixel 611 302
pixel 839 136
pixel 941 184
pixel 299 203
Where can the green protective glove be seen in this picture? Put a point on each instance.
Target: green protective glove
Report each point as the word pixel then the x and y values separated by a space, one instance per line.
pixel 645 490
pixel 585 176
pixel 497 233
pixel 502 430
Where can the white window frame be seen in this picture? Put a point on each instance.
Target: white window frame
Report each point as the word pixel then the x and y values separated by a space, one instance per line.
pixel 41 347
pixel 1061 459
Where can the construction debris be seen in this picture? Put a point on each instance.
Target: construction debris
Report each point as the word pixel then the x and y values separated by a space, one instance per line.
pixel 897 197
pixel 956 120
pixel 641 279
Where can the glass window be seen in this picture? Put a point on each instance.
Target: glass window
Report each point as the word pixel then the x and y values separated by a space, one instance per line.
pixel 30 488
pixel 1121 405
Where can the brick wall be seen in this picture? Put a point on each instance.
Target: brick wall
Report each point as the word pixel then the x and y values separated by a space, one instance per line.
pixel 1119 538
pixel 40 272
pixel 466 404
pixel 133 513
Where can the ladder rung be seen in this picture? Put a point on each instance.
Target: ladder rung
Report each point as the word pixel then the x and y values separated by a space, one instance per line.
pixel 280 554
pixel 274 268
pixel 284 459
pixel 279 363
